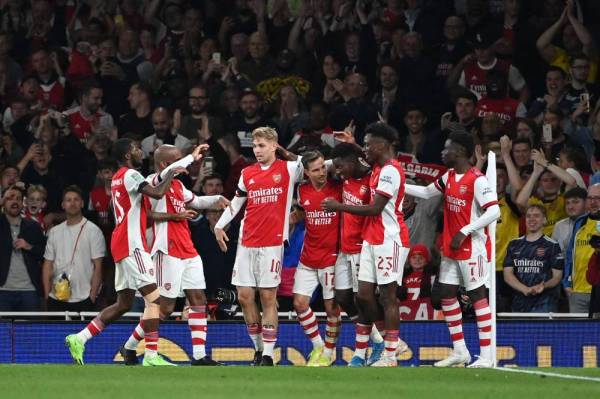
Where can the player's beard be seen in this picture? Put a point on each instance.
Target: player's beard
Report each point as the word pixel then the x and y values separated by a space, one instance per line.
pixel 136 163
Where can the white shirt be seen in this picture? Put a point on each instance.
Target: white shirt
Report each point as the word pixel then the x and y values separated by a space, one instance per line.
pixel 150 143
pixel 75 262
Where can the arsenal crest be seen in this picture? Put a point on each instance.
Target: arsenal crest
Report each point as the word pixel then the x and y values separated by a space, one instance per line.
pixel 167 286
pixel 277 177
pixel 363 189
pixel 540 251
pixel 462 189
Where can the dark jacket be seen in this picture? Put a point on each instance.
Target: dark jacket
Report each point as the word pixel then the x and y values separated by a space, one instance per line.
pixel 32 233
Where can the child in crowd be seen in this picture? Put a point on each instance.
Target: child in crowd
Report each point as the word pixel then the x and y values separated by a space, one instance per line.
pixel 415 292
pixel 35 204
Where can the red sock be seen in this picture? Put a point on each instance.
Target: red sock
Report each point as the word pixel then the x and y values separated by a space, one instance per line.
pixel 362 339
pixel 151 343
pixel 453 316
pixel 198 328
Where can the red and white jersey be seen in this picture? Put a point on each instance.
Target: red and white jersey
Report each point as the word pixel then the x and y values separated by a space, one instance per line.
pixel 474 75
pixel 269 192
pixel 355 192
pixel 415 307
pixel 321 236
pixel 172 237
pixel 465 198
pixel 82 126
pixel 130 214
pixel 387 180
pixel 100 203
pixel 53 93
pixel 507 109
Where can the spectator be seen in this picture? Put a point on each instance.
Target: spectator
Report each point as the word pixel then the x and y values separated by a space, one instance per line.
pixel 580 70
pixel 416 72
pixel 100 197
pixel 318 135
pixel 292 115
pixel 575 38
pixel 88 117
pixel 22 244
pixel 131 59
pixel 389 99
pixel 52 85
pixel 556 85
pixel 426 146
pixel 35 205
pixel 9 176
pixel 593 278
pixel 251 118
pixel 521 151
pixel 471 71
pixel 139 119
pixel 355 107
pixel 35 169
pixel 464 111
pixel 420 215
pixel 579 253
pixel 574 207
pixel 533 267
pixel 73 256
pixel 164 133
pixel 331 83
pixel 192 123
pixel 453 49
pixel 260 66
pixel 496 101
pixel 549 196
pixel 10 151
pixel 415 291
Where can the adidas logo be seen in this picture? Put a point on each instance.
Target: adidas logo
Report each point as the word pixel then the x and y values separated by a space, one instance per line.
pixel 307 202
pixel 251 181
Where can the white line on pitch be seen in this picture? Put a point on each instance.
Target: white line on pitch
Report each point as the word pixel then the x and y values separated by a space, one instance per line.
pixel 549 374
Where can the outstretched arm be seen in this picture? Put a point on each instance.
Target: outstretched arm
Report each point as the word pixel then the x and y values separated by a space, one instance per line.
pixel 544 42
pixel 424 192
pixel 373 209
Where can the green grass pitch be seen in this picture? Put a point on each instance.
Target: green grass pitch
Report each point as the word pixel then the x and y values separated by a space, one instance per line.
pixel 112 381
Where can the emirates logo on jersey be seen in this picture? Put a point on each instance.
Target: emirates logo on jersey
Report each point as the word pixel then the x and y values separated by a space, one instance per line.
pixel 167 286
pixel 277 177
pixel 462 189
pixel 540 251
pixel 363 189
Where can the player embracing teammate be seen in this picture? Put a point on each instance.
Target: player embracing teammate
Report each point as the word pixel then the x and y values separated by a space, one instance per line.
pixel 266 188
pixel 470 206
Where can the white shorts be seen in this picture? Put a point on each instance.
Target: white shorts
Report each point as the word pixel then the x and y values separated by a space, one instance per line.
pixel 173 275
pixel 346 271
pixel 471 273
pixel 135 271
pixel 383 263
pixel 258 267
pixel 307 279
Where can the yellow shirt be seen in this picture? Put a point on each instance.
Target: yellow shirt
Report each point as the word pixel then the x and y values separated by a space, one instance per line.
pixel 555 211
pixel 507 229
pixel 563 61
pixel 582 252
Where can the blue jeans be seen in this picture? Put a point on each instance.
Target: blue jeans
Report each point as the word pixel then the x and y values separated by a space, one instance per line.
pixel 19 301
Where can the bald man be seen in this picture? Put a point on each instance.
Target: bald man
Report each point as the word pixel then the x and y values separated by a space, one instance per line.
pixel 178 266
pixel 164 133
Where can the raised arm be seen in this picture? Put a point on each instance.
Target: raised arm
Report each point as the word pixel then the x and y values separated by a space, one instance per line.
pixel 523 196
pixel 544 42
pixel 539 157
pixel 158 191
pixel 516 183
pixel 583 34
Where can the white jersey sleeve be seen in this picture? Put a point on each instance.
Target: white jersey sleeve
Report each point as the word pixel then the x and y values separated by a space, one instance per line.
pixel 484 195
pixel 389 181
pixel 296 170
pixel 133 181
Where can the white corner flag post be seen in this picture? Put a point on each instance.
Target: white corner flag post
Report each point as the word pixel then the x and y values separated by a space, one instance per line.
pixel 491 177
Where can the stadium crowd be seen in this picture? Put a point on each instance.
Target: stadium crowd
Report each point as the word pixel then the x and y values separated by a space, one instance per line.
pixel 520 76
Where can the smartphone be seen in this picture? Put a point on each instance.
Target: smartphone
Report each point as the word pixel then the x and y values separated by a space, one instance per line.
pixel 209 164
pixel 584 98
pixel 547 133
pixel 216 57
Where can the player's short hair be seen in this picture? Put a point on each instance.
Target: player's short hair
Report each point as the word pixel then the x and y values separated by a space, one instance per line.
pixel 576 192
pixel 310 156
pixel 107 163
pixel 536 206
pixel 465 140
pixel 37 188
pixel 265 132
pixel 346 150
pixel 9 166
pixel 120 148
pixel 382 130
pixel 72 189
